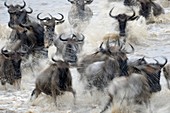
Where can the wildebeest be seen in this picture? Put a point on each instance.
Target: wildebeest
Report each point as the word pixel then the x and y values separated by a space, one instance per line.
pixel 166 71
pixel 10 67
pixel 31 36
pixel 49 27
pixel 122 20
pixel 134 88
pixel 147 6
pixel 80 13
pixel 69 45
pixel 152 71
pixel 18 14
pixel 100 68
pixel 54 80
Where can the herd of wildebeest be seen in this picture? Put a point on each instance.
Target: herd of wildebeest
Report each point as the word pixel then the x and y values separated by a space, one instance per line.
pixel 106 68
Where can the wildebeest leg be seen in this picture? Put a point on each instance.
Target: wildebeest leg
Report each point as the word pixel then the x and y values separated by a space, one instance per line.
pixel 108 104
pixel 55 91
pixel 17 84
pixel 168 85
pixel 148 105
pixel 35 93
pixel 70 89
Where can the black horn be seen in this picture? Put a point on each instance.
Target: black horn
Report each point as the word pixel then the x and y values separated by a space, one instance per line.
pixel 110 13
pixel 5 4
pixel 62 17
pixel 130 51
pixel 133 16
pixel 62 39
pixel 38 17
pixel 166 60
pixel 31 10
pixel 83 37
pixel 23 5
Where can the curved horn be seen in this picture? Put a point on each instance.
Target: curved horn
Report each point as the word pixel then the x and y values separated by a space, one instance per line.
pixel 38 17
pixel 133 15
pixel 166 60
pixel 82 38
pixel 62 39
pixel 31 10
pixel 5 4
pixel 62 17
pixel 23 5
pixel 101 48
pixel 110 13
pixel 156 61
pixel 53 59
pixel 130 51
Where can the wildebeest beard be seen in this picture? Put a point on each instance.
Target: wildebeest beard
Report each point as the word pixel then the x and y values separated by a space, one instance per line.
pixel 154 81
pixel 70 53
pixel 62 78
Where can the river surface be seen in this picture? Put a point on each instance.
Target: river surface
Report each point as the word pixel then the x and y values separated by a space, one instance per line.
pixel 150 40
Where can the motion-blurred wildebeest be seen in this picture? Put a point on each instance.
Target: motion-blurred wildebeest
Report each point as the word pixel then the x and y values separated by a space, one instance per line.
pixel 152 71
pixel 31 36
pixel 80 13
pixel 100 68
pixel 55 80
pixel 10 67
pixel 122 19
pixel 69 45
pixel 166 71
pixel 147 6
pixel 49 27
pixel 133 89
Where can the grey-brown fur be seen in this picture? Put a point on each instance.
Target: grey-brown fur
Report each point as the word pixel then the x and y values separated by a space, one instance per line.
pixel 134 88
pixel 54 80
pixel 10 67
pixel 166 71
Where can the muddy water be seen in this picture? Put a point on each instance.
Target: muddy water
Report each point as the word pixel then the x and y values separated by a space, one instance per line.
pixel 150 40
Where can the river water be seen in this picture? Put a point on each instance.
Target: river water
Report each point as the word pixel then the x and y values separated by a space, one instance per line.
pixel 150 40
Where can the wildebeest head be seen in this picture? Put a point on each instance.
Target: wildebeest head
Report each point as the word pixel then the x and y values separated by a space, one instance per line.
pixel 118 53
pixel 18 14
pixel 80 4
pixel 153 73
pixel 122 19
pixel 14 8
pixel 12 64
pixel 50 23
pixel 49 26
pixel 71 47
